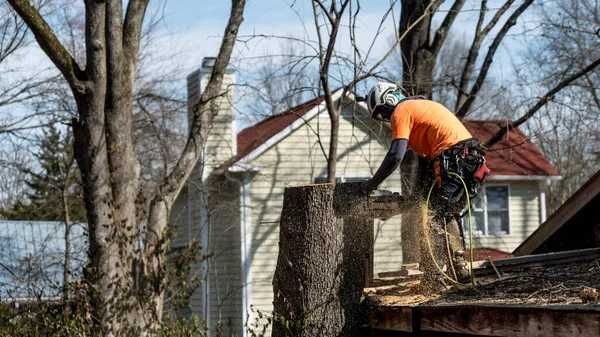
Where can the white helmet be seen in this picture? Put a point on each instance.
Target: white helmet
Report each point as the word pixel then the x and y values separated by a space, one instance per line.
pixel 383 94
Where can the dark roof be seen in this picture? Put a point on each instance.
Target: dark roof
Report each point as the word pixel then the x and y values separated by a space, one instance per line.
pixel 574 225
pixel 514 155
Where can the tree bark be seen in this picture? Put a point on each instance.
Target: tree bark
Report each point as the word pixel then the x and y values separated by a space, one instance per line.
pixel 357 270
pixel 322 268
pixel 306 283
pixel 418 61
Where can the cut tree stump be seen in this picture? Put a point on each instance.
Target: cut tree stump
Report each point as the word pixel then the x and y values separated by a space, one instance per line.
pixel 306 282
pixel 322 267
pixel 349 201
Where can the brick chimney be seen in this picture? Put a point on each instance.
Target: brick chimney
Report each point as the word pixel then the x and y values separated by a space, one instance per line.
pixel 221 144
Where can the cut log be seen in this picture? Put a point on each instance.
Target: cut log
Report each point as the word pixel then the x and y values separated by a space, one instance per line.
pixel 322 266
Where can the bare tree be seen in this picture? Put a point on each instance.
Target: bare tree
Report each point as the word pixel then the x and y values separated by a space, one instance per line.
pixel 333 19
pixel 126 280
pixel 567 128
pixel 328 19
pixel 18 86
pixel 277 81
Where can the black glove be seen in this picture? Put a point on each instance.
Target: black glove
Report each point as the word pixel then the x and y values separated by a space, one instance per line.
pixel 367 187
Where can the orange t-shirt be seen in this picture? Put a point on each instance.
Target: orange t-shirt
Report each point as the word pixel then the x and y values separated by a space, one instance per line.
pixel 429 126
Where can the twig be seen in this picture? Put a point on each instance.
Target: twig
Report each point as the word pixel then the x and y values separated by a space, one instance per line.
pixel 494 267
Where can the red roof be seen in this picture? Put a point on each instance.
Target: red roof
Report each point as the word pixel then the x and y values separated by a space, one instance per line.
pixel 484 253
pixel 514 155
pixel 252 137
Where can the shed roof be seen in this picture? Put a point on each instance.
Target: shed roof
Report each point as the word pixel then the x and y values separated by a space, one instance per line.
pixel 32 257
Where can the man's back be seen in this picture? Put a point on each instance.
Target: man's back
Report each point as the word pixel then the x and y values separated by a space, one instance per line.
pixel 429 126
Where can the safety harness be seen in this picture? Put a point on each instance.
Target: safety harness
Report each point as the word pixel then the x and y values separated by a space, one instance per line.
pixel 465 159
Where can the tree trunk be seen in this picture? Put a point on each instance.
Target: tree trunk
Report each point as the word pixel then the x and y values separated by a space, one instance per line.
pixel 357 270
pixel 321 269
pixel 306 283
pixel 418 61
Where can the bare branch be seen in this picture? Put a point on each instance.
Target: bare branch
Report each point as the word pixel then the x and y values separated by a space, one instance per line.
pixel 442 31
pixel 170 188
pixel 496 17
pixel 489 58
pixel 325 11
pixel 132 30
pixel 48 41
pixel 540 103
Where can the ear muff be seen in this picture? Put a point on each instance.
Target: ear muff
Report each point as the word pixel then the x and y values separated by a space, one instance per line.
pixel 392 98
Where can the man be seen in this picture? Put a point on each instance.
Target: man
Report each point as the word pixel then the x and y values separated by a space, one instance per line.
pixel 454 160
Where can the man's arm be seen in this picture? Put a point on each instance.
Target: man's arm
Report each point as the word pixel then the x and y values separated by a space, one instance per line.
pixel 390 163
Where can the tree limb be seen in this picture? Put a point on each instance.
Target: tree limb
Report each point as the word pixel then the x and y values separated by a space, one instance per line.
pixel 473 54
pixel 540 103
pixel 442 32
pixel 132 30
pixel 496 17
pixel 172 185
pixel 325 11
pixel 489 58
pixel 48 41
pixel 471 57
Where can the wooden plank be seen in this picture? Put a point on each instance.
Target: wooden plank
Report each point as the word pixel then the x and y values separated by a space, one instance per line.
pixel 547 259
pixel 398 318
pixel 488 320
pixel 510 321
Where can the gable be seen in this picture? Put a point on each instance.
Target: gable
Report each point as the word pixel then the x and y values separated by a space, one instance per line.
pixel 251 138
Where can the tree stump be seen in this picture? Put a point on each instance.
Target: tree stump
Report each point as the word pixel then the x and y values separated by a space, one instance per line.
pixel 306 283
pixel 322 267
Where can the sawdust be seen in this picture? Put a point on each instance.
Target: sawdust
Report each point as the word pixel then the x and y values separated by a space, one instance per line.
pixel 558 284
pixel 437 274
pixel 399 292
pixel 573 283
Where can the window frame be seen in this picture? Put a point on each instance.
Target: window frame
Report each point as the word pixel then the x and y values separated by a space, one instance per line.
pixel 484 209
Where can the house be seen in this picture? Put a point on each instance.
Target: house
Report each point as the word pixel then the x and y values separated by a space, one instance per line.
pixel 232 204
pixel 574 225
pixel 32 257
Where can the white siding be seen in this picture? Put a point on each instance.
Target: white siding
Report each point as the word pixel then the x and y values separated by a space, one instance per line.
pixel 524 216
pixel 220 241
pixel 208 211
pixel 297 160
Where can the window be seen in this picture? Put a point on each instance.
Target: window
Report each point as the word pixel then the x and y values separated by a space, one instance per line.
pixel 490 211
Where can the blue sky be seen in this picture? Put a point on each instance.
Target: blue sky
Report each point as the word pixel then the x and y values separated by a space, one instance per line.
pixel 191 30
pixel 193 27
